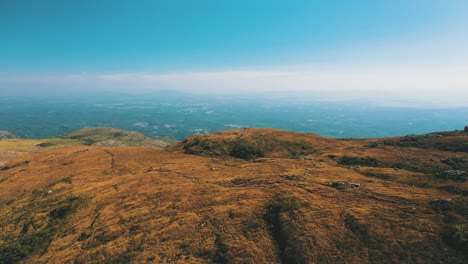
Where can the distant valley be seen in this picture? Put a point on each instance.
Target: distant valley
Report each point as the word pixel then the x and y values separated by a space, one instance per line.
pixel 180 115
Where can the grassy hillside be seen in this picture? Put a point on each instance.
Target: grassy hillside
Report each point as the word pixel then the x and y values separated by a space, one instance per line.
pixel 94 136
pixel 254 143
pixel 305 199
pixel 105 136
pixel 13 148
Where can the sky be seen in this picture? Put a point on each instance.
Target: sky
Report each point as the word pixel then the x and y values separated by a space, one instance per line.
pixel 399 50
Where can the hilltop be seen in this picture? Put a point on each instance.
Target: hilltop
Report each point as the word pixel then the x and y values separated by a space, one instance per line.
pixel 110 137
pixel 93 136
pixel 238 196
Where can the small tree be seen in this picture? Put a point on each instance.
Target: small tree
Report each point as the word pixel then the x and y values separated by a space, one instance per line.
pixel 466 129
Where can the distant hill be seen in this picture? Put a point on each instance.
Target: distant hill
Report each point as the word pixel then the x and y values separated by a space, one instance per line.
pixel 446 141
pixel 101 195
pixel 111 137
pixel 254 143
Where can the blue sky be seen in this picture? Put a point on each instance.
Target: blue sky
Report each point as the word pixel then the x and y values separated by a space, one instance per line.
pixel 208 44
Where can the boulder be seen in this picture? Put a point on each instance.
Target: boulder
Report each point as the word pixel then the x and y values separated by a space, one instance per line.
pixel 6 135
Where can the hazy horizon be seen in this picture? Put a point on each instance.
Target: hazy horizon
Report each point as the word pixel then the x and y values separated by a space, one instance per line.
pixel 408 53
pixel 174 68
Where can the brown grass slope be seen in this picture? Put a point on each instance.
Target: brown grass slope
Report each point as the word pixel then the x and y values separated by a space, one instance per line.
pixel 254 143
pixel 305 199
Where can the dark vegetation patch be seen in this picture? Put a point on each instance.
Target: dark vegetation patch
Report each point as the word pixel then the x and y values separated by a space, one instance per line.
pixel 441 206
pixel 360 230
pixel 337 185
pixel 9 167
pixel 282 218
pixel 251 148
pixel 240 181
pixel 410 167
pixel 373 145
pixel 446 141
pixel 37 234
pixel 416 184
pixel 386 177
pixel 83 236
pixel 455 231
pixel 27 245
pixel 454 190
pixel 86 140
pixel 65 209
pixel 359 161
pixel 45 144
pixel 377 175
pixel 293 177
pixel 457 163
pixel 453 175
pixel 5 178
pixel 221 250
pixel 243 150
pixel 377 247
pixel 64 180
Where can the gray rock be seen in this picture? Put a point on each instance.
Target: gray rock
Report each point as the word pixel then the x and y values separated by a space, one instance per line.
pixel 6 135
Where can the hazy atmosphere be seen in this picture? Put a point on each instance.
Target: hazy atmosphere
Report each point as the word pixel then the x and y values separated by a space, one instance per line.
pixel 177 68
pixel 234 131
pixel 397 52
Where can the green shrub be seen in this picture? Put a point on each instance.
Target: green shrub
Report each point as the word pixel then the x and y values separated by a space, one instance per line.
pixel 239 181
pixel 456 236
pixel 408 167
pixel 453 175
pixel 244 151
pixel 221 250
pixel 26 246
pixel 359 161
pixel 441 206
pixel 337 185
pixel 279 216
pixel 358 229
pixel 454 189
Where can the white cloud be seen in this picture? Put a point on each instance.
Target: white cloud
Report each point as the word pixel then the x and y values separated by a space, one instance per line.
pixel 442 84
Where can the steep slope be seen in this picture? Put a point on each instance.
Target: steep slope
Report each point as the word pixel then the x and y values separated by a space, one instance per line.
pixel 338 201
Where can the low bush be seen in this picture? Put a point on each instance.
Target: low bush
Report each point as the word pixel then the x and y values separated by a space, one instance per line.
pixel 359 161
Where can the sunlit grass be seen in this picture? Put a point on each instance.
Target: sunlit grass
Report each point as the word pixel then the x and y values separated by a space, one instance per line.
pixel 19 143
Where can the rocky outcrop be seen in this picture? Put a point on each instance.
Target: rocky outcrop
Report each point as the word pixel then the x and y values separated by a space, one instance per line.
pixel 6 135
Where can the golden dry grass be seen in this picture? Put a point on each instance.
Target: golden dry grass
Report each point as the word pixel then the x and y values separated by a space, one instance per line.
pixel 94 204
pixel 13 148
